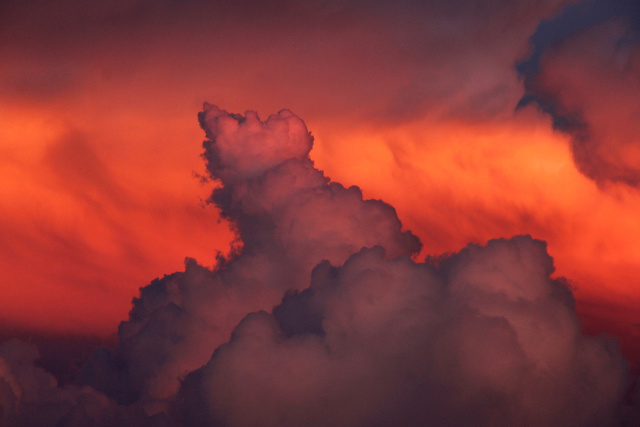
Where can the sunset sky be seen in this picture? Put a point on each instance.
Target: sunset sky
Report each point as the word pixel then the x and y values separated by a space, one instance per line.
pixel 475 120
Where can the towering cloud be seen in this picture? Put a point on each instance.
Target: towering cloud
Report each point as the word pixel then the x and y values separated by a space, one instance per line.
pixel 584 71
pixel 374 338
pixel 288 217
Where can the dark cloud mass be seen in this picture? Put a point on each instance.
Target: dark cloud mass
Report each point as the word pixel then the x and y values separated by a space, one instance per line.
pixel 485 338
pixel 584 71
pixel 29 396
pixel 321 317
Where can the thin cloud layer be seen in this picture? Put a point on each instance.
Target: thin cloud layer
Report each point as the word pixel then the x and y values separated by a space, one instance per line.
pixel 584 71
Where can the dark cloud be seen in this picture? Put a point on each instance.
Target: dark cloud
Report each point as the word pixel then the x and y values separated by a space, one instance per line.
pixel 484 338
pixel 583 72
pixel 29 396
pixel 59 354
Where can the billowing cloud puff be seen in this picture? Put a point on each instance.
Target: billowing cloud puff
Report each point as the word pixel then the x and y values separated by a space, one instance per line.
pixel 288 217
pixel 584 71
pixel 486 337
pixel 241 147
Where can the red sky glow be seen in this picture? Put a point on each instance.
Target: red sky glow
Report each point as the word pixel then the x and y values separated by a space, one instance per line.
pixel 419 104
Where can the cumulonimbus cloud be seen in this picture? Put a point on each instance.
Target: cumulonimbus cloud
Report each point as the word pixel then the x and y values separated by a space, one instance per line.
pixel 584 71
pixel 320 316
pixel 288 217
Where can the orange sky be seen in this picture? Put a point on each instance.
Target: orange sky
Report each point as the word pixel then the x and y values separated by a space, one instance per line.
pixel 99 144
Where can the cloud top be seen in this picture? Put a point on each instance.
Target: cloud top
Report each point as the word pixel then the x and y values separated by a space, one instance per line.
pixel 240 147
pixel 288 218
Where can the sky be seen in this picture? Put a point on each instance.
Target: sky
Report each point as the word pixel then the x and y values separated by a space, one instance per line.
pixel 459 180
